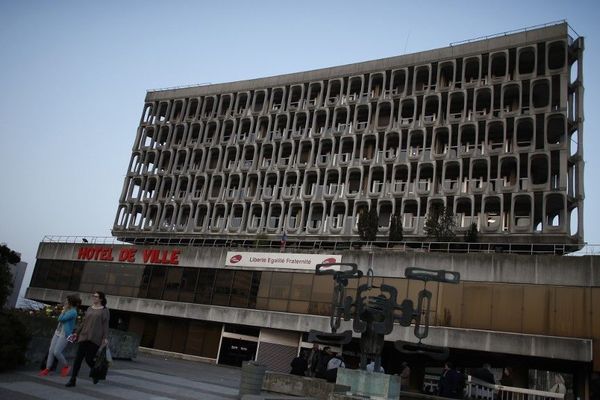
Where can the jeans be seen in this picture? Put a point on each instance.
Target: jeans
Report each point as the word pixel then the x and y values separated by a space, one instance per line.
pixel 85 350
pixel 57 345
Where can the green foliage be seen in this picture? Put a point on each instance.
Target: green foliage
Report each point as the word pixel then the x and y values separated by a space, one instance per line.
pixel 440 224
pixel 7 256
pixel 368 225
pixel 38 323
pixel 14 338
pixel 396 229
pixel 262 240
pixel 472 235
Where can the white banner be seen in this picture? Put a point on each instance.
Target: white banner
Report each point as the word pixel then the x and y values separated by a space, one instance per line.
pixel 279 260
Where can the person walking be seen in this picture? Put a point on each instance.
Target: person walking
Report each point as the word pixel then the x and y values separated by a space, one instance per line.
pixel 313 359
pixel 405 377
pixel 66 324
pixel 91 335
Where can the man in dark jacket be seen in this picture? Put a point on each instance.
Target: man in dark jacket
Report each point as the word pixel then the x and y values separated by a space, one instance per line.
pixel 299 365
pixel 484 374
pixel 313 359
pixel 324 358
pixel 450 382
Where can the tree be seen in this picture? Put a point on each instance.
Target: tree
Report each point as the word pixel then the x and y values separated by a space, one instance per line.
pixel 7 256
pixel 472 235
pixel 440 224
pixel 368 224
pixel 396 229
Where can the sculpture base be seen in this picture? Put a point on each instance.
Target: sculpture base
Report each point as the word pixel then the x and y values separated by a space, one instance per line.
pixel 303 386
pixel 374 385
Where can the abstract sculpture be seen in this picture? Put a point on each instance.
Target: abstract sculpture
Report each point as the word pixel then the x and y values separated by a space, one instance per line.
pixel 375 309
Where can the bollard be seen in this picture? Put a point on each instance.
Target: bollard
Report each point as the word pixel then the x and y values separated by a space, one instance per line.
pixel 252 378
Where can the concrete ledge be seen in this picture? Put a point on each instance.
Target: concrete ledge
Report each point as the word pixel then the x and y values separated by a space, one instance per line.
pixel 124 345
pixel 179 356
pixel 271 396
pixel 300 386
pixel 538 269
pixel 370 384
pixel 403 396
pixel 574 349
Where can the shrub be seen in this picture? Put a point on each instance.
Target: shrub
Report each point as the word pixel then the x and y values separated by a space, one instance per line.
pixel 14 338
pixel 262 240
pixel 396 229
pixel 368 225
pixel 7 256
pixel 440 224
pixel 472 236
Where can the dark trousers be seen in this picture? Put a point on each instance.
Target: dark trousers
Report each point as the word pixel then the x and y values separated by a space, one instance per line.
pixel 85 350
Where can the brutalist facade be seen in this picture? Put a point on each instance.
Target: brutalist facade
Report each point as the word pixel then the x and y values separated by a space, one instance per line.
pixel 491 129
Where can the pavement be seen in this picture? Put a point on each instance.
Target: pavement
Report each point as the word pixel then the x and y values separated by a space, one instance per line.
pixel 148 377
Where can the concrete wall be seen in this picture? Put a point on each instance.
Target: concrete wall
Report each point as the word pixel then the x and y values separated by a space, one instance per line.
pixel 581 271
pixel 547 306
pixel 18 273
pixel 510 343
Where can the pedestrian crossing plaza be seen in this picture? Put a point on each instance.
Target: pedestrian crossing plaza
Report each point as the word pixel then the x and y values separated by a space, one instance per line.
pixel 170 381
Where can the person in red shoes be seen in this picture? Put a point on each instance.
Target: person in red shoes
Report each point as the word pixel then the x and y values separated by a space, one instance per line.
pixel 66 324
pixel 91 335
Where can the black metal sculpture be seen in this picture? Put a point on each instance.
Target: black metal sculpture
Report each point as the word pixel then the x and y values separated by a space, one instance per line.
pixel 375 309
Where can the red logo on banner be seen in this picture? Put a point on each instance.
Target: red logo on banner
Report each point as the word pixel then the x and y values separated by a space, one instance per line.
pixel 235 259
pixel 329 260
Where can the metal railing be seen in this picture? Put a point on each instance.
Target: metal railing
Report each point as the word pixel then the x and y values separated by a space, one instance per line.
pixel 477 389
pixel 273 241
pixel 179 87
pixel 82 239
pixel 528 28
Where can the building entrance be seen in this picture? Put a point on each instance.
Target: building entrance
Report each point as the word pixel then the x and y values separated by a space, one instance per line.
pixel 235 351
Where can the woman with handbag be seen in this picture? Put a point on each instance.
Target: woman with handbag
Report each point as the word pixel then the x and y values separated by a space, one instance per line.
pixel 91 335
pixel 66 323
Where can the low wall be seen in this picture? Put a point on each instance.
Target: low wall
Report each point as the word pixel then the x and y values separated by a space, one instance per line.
pixel 122 345
pixel 403 396
pixel 300 386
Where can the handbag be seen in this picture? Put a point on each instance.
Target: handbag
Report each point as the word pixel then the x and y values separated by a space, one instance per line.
pixel 100 368
pixel 109 358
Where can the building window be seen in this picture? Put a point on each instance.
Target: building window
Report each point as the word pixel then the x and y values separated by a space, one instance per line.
pixel 157 282
pixel 222 291
pixel 204 288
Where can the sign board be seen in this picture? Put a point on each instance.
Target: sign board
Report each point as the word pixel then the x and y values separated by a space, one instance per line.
pixel 129 254
pixel 279 260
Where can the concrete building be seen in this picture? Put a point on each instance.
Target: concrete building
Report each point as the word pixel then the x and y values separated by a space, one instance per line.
pixel 18 273
pixel 492 129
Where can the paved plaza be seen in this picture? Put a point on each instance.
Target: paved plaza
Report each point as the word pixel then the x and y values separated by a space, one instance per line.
pixel 148 377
